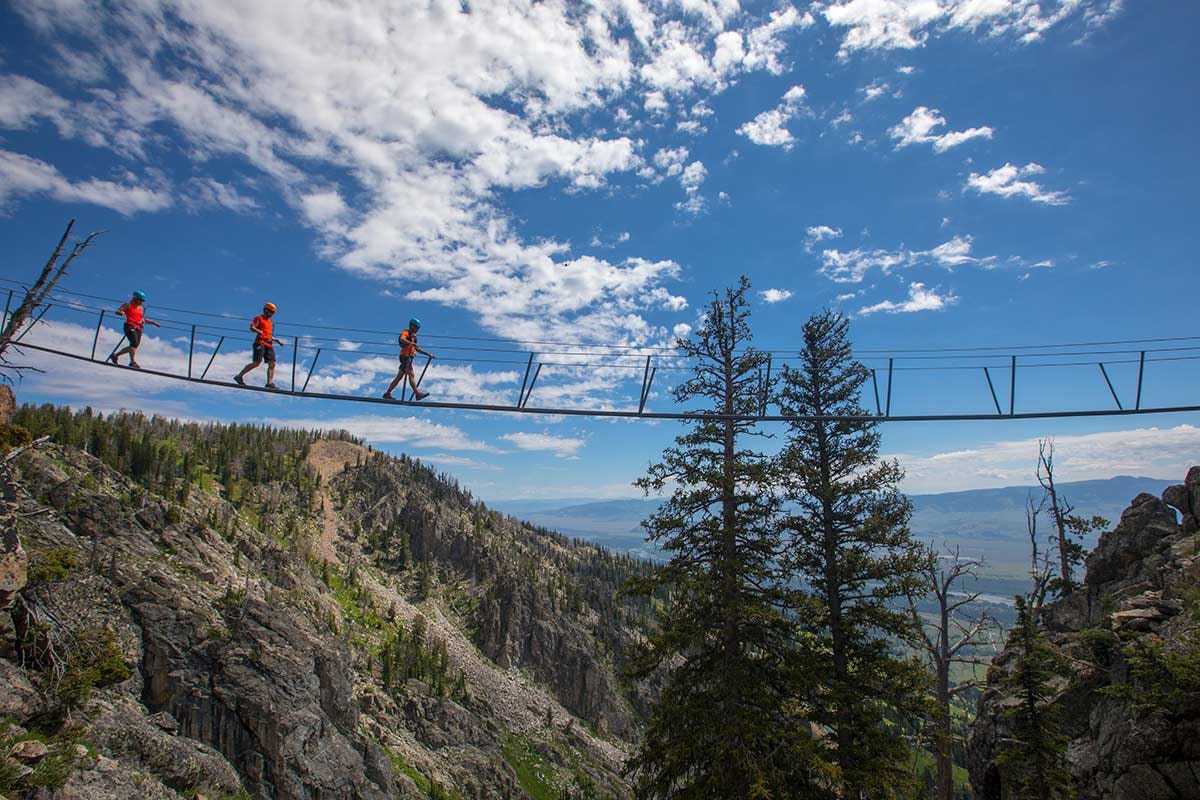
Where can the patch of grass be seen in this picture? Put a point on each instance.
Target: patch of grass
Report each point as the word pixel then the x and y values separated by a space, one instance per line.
pixel 534 775
pixel 50 773
pixel 52 564
pixel 96 661
pixel 404 768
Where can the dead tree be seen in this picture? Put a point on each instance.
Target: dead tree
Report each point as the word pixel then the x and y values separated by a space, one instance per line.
pixel 1040 570
pixel 1060 509
pixel 949 641
pixel 35 298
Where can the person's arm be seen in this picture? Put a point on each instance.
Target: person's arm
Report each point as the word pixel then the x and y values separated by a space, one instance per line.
pixel 424 353
pixel 152 322
pixel 121 310
pixel 279 342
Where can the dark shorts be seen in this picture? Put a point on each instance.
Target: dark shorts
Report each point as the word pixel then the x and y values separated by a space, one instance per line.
pixel 134 335
pixel 264 352
pixel 406 364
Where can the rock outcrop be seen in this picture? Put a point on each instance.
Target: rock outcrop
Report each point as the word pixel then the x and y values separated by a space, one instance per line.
pixel 1132 719
pixel 255 645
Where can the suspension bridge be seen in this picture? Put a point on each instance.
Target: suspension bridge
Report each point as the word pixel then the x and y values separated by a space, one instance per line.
pixel 1000 371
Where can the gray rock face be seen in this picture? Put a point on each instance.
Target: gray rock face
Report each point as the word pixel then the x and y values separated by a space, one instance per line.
pixel 1140 579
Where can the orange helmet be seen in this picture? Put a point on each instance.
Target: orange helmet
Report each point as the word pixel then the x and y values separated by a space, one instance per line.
pixel 269 307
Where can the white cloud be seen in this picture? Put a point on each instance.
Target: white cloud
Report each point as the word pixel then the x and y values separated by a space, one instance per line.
pixel 1011 181
pixel 21 175
pixel 818 233
pixel 691 179
pixel 394 130
pixel 874 90
pixel 775 295
pixel 918 127
pixel 1149 452
pixel 919 299
pixel 852 266
pixel 768 128
pixel 560 446
pixel 907 24
pixel 203 193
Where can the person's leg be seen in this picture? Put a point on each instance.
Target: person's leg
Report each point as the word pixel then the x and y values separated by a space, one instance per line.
pixel 270 359
pixel 395 381
pixel 258 359
pixel 135 340
pixel 118 353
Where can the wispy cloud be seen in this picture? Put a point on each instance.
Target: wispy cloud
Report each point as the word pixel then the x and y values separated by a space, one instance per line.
pixel 1012 181
pixel 919 298
pixel 560 446
pixel 1147 452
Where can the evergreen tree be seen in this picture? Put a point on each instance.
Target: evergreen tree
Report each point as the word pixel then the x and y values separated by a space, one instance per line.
pixel 850 549
pixel 722 726
pixel 1034 760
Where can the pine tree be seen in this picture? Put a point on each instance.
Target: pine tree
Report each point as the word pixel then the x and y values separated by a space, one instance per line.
pixel 850 549
pixel 1034 761
pixel 722 726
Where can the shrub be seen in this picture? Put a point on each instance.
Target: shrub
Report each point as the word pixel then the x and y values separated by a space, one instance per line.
pixel 54 564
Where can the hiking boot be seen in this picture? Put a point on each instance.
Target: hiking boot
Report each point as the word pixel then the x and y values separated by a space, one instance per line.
pixel 420 395
pixel 135 365
pixel 113 360
pixel 388 396
pixel 238 380
pixel 272 385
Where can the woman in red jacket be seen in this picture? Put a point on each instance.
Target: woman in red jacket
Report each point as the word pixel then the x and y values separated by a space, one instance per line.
pixel 134 313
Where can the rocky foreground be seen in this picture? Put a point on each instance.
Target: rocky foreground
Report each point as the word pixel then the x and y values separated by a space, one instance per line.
pixel 384 637
pixel 1128 641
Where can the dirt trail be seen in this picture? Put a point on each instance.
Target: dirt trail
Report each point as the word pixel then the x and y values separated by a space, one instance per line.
pixel 329 458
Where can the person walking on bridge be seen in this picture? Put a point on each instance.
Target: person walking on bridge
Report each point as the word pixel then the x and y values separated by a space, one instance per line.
pixel 264 346
pixel 408 349
pixel 134 312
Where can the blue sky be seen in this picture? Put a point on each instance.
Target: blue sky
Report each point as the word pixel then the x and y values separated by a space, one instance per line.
pixel 948 172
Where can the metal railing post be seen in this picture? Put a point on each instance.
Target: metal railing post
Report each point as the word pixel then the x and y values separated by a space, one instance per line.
pixel 529 391
pixel 995 400
pixel 191 351
pixel 1137 403
pixel 525 380
pixel 1012 387
pixel 888 412
pixel 311 367
pixel 216 350
pixel 96 338
pixel 295 353
pixel 1111 390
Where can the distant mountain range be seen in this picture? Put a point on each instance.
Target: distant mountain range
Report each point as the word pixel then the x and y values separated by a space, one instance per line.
pixel 982 522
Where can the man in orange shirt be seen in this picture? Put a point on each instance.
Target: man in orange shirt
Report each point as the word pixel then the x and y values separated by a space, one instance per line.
pixel 408 349
pixel 264 346
pixel 134 312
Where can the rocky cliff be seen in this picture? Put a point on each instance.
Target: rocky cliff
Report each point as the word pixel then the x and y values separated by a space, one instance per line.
pixel 1128 644
pixel 317 621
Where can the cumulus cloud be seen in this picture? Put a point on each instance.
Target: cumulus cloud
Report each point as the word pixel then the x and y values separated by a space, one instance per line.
pixel 560 446
pixel 394 131
pixel 918 127
pixel 775 295
pixel 768 128
pixel 919 298
pixel 904 24
pixel 1012 181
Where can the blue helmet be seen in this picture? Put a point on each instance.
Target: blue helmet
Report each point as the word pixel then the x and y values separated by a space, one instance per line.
pixel 414 322
pixel 139 294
